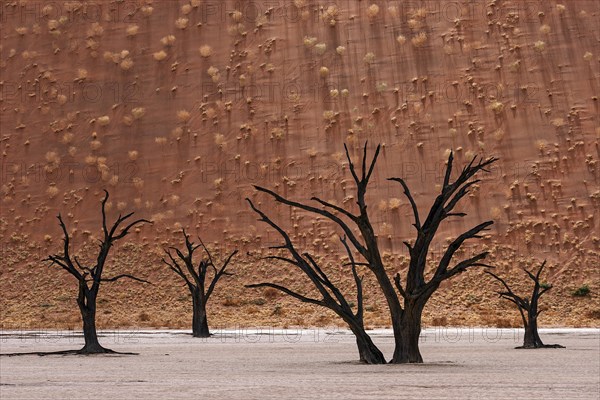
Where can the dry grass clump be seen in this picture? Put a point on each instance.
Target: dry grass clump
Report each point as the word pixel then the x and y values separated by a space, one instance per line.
pixel 52 191
pixel 52 161
pixel 220 140
pixel 177 133
pixel 95 144
pixel 138 112
pixel 67 138
pixel 186 9
pixel 161 140
pixel 369 58
pixel 138 183
pixel 132 30
pixel 340 50
pixel 181 23
pixel 159 55
pixel 205 51
pixel 419 40
pixel 183 116
pixel 168 40
pixel 94 30
pixel 277 133
pixel 324 72
pixel 173 200
pixel 515 66
pixel 147 10
pixel 126 64
pixel 539 46
pixel 372 11
pixel 331 14
pixel 545 29
pixel 401 39
pixel 237 16
pixel 309 41
pixel 320 48
pixel 82 74
pixel 588 56
pixel 329 116
pixel 103 121
pixel 395 203
pixel 91 159
pixel 497 107
pixel 133 155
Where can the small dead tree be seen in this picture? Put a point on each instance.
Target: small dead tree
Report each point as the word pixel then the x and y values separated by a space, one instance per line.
pixel 528 308
pixel 405 315
pixel 196 278
pixel 90 277
pixel 331 296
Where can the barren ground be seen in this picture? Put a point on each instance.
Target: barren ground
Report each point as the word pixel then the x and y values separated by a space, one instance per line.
pixel 460 364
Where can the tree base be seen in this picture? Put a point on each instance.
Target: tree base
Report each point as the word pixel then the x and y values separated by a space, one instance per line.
pixel 543 346
pixel 95 349
pixel 392 361
pixel 80 352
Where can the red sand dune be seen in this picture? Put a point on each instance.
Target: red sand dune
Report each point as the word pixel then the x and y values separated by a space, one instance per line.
pixel 179 107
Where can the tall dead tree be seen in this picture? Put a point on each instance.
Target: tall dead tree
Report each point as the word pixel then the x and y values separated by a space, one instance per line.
pixel 90 277
pixel 405 315
pixel 528 307
pixel 331 296
pixel 196 278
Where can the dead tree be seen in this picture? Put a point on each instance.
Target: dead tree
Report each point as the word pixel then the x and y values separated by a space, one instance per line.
pixel 90 277
pixel 405 315
pixel 528 308
pixel 195 279
pixel 331 297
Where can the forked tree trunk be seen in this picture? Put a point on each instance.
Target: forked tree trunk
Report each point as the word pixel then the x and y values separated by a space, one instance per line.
pixel 407 343
pixel 199 317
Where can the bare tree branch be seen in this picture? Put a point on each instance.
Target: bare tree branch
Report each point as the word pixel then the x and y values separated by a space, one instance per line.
pixel 121 276
pixel 359 246
pixel 288 292
pixel 410 198
pixel 357 280
pixel 220 274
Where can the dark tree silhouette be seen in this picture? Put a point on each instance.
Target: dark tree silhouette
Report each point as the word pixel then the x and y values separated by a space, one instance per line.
pixel 331 297
pixel 195 279
pixel 90 277
pixel 406 316
pixel 528 308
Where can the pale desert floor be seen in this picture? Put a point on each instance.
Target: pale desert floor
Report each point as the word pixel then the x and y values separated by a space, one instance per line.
pixel 465 363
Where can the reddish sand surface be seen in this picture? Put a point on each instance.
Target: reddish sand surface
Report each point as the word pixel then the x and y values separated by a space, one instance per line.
pixel 319 363
pixel 179 107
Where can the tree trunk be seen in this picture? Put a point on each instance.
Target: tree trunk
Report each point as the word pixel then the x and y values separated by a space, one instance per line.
pixel 407 343
pixel 532 339
pixel 87 307
pixel 368 352
pixel 199 319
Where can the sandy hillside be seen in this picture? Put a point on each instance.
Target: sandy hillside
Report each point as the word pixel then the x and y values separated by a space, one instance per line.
pixel 179 107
